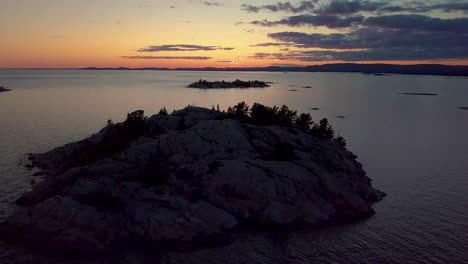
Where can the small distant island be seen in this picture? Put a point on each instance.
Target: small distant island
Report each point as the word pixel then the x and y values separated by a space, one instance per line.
pixel 380 74
pixel 463 107
pixel 204 84
pixel 3 89
pixel 425 94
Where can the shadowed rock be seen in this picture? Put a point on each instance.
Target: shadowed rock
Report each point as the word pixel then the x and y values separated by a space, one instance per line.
pixel 186 178
pixel 3 89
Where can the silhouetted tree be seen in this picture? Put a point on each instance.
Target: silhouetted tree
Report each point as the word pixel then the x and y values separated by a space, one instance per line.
pixel 135 124
pixel 239 112
pixel 109 123
pixel 304 122
pixel 286 117
pixel 263 115
pixel 241 109
pixel 163 111
pixel 323 130
pixel 329 132
pixel 136 116
pixel 340 140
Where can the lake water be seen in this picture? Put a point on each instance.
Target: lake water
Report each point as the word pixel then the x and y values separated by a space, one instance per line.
pixel 415 148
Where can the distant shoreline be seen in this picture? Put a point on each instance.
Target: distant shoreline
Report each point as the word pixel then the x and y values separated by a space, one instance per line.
pixel 374 69
pixel 371 69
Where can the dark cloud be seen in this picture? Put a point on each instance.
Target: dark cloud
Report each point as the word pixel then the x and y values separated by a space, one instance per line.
pixel 167 57
pixel 379 44
pixel 273 44
pixel 251 8
pixel 369 31
pixel 263 55
pixel 286 7
pixel 391 9
pixel 316 40
pixel 449 7
pixel 400 21
pixel 399 54
pixel 350 7
pixel 224 61
pixel 423 7
pixel 374 38
pixel 418 22
pixel 366 55
pixel 182 47
pixel 330 21
pixel 207 3
pixel 333 7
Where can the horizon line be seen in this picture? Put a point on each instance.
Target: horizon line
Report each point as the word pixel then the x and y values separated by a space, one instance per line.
pixel 226 68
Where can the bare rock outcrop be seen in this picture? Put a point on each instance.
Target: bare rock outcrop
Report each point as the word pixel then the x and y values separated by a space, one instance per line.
pixel 189 177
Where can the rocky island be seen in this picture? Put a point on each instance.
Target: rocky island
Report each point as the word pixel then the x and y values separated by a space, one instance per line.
pixel 192 176
pixel 3 89
pixel 203 84
pixel 423 94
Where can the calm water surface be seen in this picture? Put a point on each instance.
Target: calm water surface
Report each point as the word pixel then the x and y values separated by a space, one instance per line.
pixel 415 148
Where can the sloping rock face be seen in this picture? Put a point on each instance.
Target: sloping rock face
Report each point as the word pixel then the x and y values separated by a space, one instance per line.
pixel 192 177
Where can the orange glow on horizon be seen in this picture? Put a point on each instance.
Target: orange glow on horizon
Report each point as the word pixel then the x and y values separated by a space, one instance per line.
pixel 171 64
pixel 76 34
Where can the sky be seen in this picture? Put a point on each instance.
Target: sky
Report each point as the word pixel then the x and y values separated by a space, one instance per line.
pixel 230 33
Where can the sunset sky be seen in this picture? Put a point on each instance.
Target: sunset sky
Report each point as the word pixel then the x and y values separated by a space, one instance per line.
pixel 229 33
